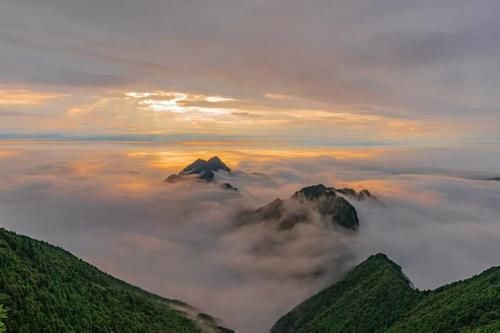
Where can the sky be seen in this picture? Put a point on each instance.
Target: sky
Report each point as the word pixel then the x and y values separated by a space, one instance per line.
pixel 315 73
pixel 101 100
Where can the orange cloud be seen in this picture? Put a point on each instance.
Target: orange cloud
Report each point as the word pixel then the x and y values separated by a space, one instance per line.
pixel 25 97
pixel 175 158
pixel 7 153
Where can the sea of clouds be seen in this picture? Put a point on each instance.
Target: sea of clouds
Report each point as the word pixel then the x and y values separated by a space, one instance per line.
pixel 440 221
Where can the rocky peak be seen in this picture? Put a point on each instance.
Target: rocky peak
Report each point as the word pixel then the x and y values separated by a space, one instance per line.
pixel 196 167
pixel 314 192
pixel 201 166
pixel 298 209
pixel 216 164
pixel 203 170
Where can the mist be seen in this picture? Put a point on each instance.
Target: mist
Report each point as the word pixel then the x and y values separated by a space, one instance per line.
pixel 440 223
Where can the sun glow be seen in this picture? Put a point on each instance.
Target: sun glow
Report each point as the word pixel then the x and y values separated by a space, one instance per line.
pixel 177 157
pixel 179 102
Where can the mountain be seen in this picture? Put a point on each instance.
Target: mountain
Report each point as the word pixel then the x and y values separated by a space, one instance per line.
pixel 301 207
pixel 495 178
pixel 2 318
pixel 377 297
pixel 200 166
pixel 316 191
pixel 203 171
pixel 359 196
pixel 46 289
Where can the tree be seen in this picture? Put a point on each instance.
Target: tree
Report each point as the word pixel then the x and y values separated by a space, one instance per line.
pixel 3 316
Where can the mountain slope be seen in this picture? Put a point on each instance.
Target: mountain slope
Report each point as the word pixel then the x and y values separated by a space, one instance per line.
pixel 46 289
pixel 377 297
pixel 472 304
pixel 367 300
pixel 2 318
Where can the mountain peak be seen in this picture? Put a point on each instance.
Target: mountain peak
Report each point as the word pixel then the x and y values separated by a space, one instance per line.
pixel 376 296
pixel 201 166
pixel 203 170
pixel 379 256
pixel 298 208
pixel 314 192
pixel 327 203
pixel 381 259
pixel 215 159
pixel 216 164
pixel 194 167
pixel 362 288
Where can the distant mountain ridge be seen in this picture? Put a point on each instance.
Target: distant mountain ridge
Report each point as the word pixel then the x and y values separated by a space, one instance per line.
pixel 205 171
pixel 46 289
pixel 377 297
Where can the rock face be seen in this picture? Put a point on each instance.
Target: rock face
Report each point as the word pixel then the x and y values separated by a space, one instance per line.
pixel 328 203
pixel 203 171
pixel 301 207
pixel 314 192
pixel 343 214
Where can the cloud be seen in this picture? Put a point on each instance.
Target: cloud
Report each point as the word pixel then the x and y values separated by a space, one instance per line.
pixel 7 113
pixel 349 53
pixel 70 78
pixel 245 114
pixel 427 72
pixel 112 208
pixel 179 102
pixel 14 97
pixel 161 227
pixel 280 96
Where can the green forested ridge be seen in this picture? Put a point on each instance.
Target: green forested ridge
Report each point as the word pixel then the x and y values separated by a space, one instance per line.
pixel 471 305
pixel 377 297
pixel 46 289
pixel 2 319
